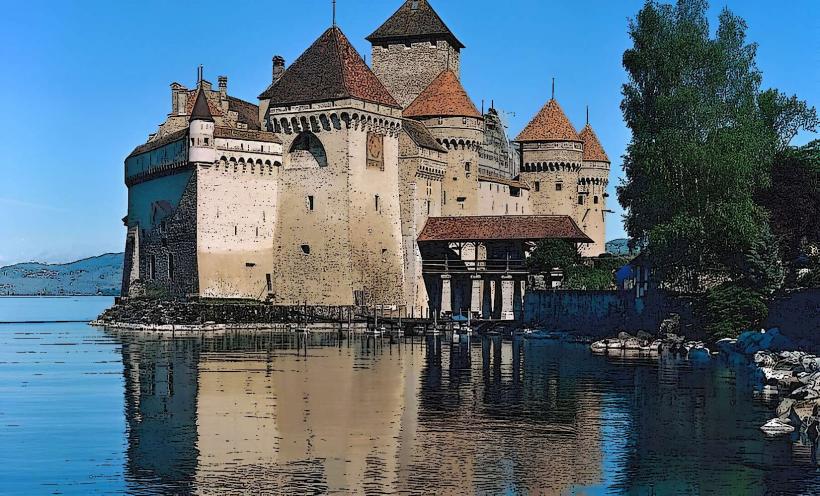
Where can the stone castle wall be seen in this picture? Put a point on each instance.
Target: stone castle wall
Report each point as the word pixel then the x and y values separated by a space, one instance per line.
pixel 591 216
pixel 407 70
pixel 236 214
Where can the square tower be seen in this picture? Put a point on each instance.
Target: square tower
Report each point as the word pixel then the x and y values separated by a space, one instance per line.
pixel 338 238
pixel 411 49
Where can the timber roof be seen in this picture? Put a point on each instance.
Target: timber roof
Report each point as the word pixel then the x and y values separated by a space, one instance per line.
pixel 246 134
pixel 549 124
pixel 414 21
pixel 421 136
pixel 160 142
pixel 502 227
pixel 593 151
pixel 330 69
pixel 444 97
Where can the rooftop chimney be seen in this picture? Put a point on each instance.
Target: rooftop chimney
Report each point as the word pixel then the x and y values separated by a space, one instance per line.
pixel 278 67
pixel 223 87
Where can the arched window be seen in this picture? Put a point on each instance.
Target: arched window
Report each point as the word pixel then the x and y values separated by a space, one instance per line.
pixel 307 151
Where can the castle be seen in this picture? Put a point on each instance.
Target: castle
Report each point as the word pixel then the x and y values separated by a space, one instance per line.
pixel 355 185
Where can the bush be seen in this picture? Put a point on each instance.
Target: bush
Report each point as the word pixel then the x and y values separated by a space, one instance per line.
pixel 731 308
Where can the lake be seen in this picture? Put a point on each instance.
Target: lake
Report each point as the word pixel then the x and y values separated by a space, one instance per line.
pixel 86 411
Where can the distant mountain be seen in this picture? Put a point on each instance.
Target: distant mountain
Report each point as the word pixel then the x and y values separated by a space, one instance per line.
pixel 100 275
pixel 620 247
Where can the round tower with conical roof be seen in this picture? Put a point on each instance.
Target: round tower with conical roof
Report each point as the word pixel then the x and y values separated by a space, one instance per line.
pixel 453 119
pixel 551 159
pixel 593 180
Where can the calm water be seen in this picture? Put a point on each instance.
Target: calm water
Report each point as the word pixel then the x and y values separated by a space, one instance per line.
pixel 84 410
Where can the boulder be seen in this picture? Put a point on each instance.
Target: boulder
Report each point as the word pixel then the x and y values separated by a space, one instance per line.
pixel 598 346
pixel 632 344
pixel 784 407
pixel 806 393
pixel 810 363
pixel 727 345
pixel 777 427
pixel 699 353
pixel 765 359
pixel 644 336
pixel 613 344
pixel 623 336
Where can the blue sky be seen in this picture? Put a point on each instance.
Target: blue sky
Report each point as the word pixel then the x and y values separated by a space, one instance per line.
pixel 84 82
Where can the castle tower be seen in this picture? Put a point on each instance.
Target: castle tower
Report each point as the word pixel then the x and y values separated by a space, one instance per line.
pixel 592 184
pixel 411 48
pixel 338 238
pixel 201 131
pixel 447 111
pixel 551 158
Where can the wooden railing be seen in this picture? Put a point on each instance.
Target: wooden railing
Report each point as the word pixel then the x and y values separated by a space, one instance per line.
pixel 474 267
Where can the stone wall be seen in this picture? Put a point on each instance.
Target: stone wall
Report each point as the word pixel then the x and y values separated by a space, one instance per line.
pixel 236 218
pixel 407 70
pixel 603 313
pixel 168 252
pixel 591 216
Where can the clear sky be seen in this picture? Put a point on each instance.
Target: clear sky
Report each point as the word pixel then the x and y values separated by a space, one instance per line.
pixel 84 82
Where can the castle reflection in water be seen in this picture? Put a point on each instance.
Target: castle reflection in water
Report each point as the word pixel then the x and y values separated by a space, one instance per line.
pixel 247 412
pixel 256 412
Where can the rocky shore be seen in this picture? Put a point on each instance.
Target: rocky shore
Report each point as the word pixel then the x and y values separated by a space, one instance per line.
pixel 793 376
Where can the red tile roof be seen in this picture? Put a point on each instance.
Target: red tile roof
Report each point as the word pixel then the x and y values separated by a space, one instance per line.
pixel 330 69
pixel 592 147
pixel 444 97
pixel 415 20
pixel 502 227
pixel 550 124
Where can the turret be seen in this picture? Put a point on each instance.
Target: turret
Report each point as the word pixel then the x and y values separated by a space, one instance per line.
pixel 447 111
pixel 592 183
pixel 551 157
pixel 201 131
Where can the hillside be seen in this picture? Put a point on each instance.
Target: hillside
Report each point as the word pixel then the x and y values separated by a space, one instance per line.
pixel 91 276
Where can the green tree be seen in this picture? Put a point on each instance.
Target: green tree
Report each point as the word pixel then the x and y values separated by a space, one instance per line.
pixel 704 138
pixel 553 253
pixel 793 201
pixel 698 142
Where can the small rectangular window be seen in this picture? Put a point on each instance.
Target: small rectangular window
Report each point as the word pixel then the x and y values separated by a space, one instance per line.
pixel 595 200
pixel 377 203
pixel 559 186
pixel 467 166
pixel 310 202
pixel 580 199
pixel 306 249
pixel 207 141
pixel 270 282
pixel 537 185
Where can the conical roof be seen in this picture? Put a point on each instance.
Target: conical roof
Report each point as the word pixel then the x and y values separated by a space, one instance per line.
pixel 593 151
pixel 329 69
pixel 414 21
pixel 550 124
pixel 444 97
pixel 201 111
